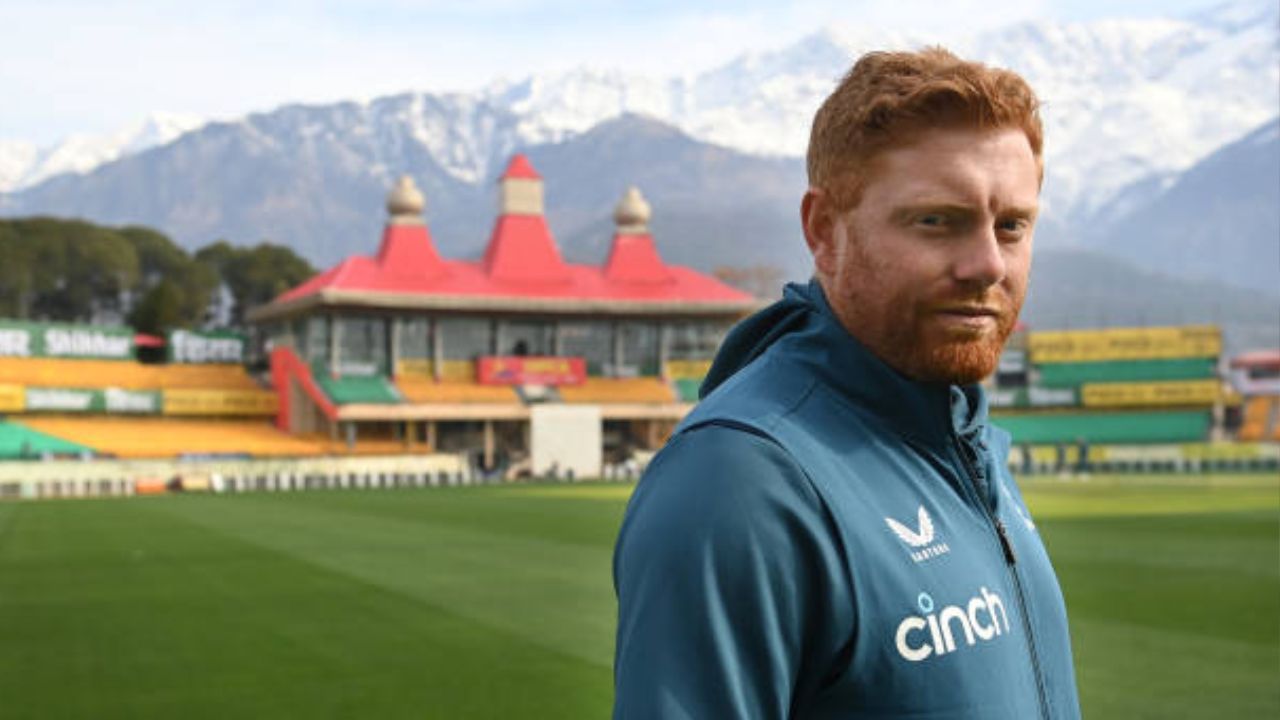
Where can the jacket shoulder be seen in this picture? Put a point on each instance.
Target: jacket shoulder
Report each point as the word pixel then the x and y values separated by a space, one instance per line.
pixel 756 397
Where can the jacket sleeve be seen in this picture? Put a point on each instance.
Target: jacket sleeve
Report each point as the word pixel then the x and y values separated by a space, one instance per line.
pixel 733 596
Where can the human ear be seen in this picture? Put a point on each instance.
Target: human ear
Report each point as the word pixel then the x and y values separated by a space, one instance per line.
pixel 818 221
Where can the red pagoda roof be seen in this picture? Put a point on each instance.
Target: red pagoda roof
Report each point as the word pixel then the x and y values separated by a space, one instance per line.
pixel 634 259
pixel 520 169
pixel 520 262
pixel 463 278
pixel 521 249
pixel 408 250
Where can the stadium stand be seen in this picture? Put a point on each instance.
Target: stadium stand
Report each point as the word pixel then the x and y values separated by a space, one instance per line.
pixel 1256 378
pixel 18 441
pixel 171 437
pixel 618 390
pixel 370 389
pixel 423 391
pixel 1108 427
pixel 61 372
pixel 1258 412
pixel 687 389
pixel 1059 375
pixel 1118 385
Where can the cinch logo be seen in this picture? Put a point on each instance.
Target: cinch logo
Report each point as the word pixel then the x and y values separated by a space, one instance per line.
pixel 921 538
pixel 920 637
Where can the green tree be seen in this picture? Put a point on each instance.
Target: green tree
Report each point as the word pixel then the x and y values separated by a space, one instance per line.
pixel 17 281
pixel 160 259
pixel 255 275
pixel 158 256
pixel 77 269
pixel 160 309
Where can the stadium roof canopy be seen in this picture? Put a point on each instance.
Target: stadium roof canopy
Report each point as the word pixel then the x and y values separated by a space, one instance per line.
pixel 1257 359
pixel 521 269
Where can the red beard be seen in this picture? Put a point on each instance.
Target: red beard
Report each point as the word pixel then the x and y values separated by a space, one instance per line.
pixel 913 346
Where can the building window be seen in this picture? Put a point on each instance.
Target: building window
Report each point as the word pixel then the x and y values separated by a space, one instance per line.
pixel 592 341
pixel 313 338
pixel 362 343
pixel 639 347
pixel 414 337
pixel 524 337
pixel 464 338
pixel 697 340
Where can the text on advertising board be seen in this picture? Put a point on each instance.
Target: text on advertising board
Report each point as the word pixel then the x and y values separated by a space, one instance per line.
pixel 506 370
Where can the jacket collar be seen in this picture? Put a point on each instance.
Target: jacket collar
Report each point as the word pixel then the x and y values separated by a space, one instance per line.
pixel 803 326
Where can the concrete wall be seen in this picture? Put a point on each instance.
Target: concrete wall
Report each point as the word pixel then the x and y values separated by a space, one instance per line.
pixel 566 438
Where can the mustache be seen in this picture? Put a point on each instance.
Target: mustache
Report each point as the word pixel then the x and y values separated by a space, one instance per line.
pixel 996 304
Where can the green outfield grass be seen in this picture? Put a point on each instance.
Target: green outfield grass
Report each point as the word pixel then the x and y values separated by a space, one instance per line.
pixel 496 602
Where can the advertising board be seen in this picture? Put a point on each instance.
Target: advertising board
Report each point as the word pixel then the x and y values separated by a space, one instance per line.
pixel 1075 346
pixel 219 402
pixel 12 398
pixel 1169 393
pixel 58 340
pixel 515 370
pixel 687 369
pixel 91 400
pixel 188 346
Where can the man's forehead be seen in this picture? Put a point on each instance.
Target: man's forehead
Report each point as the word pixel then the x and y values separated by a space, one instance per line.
pixel 958 165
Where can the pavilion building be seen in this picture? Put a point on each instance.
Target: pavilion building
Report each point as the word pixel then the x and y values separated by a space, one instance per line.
pixel 460 355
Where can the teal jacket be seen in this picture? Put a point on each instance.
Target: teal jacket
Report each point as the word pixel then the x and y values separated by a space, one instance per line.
pixel 824 538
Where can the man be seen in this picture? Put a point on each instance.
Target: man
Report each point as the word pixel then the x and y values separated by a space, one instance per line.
pixel 832 532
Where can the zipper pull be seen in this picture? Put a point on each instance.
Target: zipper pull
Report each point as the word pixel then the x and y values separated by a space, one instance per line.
pixel 1009 555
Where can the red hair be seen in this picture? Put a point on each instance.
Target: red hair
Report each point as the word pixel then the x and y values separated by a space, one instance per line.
pixel 888 97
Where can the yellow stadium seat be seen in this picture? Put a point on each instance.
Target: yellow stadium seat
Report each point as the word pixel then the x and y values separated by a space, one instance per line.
pixel 1257 416
pixel 646 390
pixel 424 391
pixel 168 437
pixel 59 372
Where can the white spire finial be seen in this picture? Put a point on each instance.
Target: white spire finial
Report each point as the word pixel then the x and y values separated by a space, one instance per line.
pixel 632 213
pixel 405 201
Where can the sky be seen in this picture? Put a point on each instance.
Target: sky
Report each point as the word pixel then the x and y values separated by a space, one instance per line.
pixel 97 66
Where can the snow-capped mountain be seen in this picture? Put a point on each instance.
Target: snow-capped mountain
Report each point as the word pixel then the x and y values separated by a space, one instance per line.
pixel 1128 105
pixel 22 164
pixel 1123 99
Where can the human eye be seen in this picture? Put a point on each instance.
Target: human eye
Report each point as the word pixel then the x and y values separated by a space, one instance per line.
pixel 1013 228
pixel 932 220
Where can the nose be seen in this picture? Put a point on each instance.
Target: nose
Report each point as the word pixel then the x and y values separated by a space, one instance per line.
pixel 980 262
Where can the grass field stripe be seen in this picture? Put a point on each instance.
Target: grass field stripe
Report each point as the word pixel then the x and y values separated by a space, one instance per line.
pixel 564 605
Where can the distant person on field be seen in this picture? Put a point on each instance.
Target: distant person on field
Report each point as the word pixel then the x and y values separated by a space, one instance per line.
pixel 833 532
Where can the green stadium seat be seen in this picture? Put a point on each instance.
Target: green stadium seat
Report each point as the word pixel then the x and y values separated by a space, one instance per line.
pixel 1107 427
pixel 18 441
pixel 373 389
pixel 687 389
pixel 1075 374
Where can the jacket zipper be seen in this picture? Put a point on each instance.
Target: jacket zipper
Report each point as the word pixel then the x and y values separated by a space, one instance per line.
pixel 1011 562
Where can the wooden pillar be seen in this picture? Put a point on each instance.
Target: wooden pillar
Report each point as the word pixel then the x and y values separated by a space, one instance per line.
pixel 431 435
pixel 616 350
pixel 334 348
pixel 488 444
pixel 664 339
pixel 437 349
pixel 393 345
